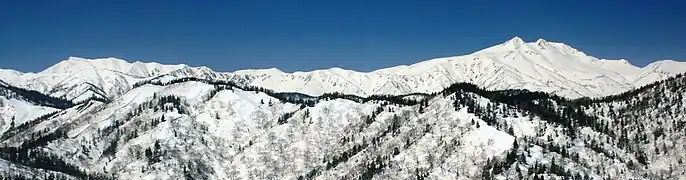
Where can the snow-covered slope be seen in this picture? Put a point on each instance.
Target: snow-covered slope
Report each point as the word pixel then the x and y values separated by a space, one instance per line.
pixel 16 108
pixel 18 112
pixel 515 64
pixel 237 134
pixel 9 75
pixel 211 131
pixel 78 79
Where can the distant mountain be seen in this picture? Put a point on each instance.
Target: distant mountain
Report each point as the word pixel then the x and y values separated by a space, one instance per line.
pixel 78 79
pixel 538 66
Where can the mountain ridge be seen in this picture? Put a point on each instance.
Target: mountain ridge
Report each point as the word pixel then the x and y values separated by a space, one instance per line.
pixel 516 38
pixel 515 64
pixel 545 58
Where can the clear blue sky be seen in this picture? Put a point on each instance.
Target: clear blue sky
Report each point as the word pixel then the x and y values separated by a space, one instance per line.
pixel 306 35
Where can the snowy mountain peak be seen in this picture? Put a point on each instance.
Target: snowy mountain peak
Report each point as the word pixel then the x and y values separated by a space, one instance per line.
pixel 624 61
pixel 516 64
pixel 275 70
pixel 542 43
pixel 667 66
pixel 76 64
pixel 541 40
pixel 514 42
pixel 72 64
pixel 341 70
pixel 78 79
pixel 269 71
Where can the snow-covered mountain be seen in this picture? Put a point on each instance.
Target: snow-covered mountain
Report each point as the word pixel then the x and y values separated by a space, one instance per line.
pixel 202 129
pixel 78 79
pixel 538 66
pixel 515 64
pixel 476 116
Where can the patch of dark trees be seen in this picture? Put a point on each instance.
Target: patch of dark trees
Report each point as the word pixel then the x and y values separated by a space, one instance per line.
pixel 8 174
pixel 548 107
pixel 34 97
pixel 14 129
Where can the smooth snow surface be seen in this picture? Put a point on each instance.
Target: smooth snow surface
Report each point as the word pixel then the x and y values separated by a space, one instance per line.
pixel 20 111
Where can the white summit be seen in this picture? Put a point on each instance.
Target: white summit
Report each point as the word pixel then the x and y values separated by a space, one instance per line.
pixel 538 66
pixel 79 78
pixel 515 64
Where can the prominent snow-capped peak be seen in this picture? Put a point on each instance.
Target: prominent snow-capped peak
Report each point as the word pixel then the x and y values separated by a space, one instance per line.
pixel 515 43
pixel 140 69
pixel 540 66
pixel 78 79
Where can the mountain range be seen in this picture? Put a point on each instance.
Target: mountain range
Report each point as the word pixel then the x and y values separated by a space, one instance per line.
pixel 517 110
pixel 539 66
pixel 515 64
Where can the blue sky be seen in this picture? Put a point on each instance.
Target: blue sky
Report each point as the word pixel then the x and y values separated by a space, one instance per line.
pixel 306 35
